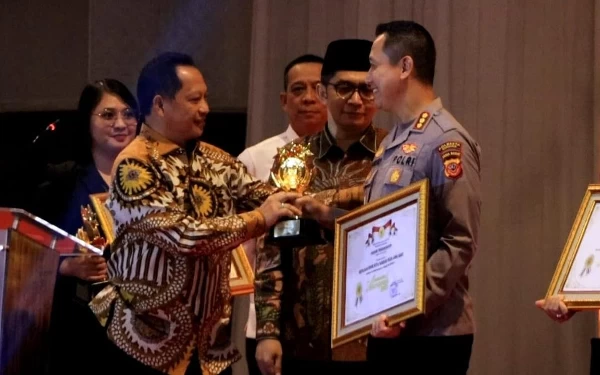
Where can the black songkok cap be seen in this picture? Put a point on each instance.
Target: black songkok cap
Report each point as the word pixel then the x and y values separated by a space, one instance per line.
pixel 347 54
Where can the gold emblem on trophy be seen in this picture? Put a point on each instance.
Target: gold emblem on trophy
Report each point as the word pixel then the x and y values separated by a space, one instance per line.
pixel 293 171
pixel 293 168
pixel 90 232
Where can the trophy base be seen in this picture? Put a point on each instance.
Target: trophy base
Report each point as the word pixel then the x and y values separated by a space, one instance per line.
pixel 296 232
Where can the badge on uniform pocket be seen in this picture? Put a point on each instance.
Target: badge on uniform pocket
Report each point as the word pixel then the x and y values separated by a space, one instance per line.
pixel 398 177
pixel 395 175
pixel 409 148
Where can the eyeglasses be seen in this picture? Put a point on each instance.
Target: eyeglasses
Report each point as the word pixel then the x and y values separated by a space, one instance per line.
pixel 345 90
pixel 110 115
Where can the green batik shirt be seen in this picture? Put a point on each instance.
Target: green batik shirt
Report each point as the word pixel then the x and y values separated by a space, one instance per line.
pixel 294 285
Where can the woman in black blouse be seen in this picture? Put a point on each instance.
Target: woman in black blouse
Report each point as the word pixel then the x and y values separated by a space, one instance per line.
pixel 108 121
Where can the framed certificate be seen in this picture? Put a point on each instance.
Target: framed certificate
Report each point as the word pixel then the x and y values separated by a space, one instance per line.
pixel 577 275
pixel 241 276
pixel 379 262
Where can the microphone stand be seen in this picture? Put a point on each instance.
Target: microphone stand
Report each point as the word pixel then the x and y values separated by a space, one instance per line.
pixel 50 128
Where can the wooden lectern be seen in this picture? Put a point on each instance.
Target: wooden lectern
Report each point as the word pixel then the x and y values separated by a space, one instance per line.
pixel 30 249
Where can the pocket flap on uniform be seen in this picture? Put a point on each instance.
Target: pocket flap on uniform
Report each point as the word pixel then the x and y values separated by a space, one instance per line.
pixel 398 176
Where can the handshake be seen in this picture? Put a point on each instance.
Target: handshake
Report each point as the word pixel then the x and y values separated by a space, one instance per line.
pixel 286 204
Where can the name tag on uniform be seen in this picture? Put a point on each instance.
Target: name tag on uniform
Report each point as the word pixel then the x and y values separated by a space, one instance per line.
pixel 405 160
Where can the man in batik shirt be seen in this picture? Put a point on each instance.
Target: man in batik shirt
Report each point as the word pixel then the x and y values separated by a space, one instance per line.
pixel 293 286
pixel 176 206
pixel 307 115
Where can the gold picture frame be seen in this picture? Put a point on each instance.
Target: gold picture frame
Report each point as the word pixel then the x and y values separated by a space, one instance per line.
pixel 389 251
pixel 103 215
pixel 241 277
pixel 577 274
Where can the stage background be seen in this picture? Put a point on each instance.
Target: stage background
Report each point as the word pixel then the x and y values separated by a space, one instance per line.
pixel 522 77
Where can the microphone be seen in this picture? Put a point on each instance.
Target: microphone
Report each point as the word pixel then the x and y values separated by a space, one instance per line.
pixel 50 128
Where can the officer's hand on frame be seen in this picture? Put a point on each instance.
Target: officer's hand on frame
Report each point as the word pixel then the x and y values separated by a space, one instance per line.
pixel 382 329
pixel 555 308
pixel 279 205
pixel 268 356
pixel 315 209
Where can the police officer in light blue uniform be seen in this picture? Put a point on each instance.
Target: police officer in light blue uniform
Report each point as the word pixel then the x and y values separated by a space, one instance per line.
pixel 428 143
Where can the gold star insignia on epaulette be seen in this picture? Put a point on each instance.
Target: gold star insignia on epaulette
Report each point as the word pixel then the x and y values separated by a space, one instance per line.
pixel 422 121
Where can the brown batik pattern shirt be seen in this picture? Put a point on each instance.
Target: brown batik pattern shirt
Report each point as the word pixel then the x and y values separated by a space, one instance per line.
pixel 176 217
pixel 294 286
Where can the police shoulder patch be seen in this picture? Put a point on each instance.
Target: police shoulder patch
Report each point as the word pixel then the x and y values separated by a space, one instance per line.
pixel 451 154
pixel 135 179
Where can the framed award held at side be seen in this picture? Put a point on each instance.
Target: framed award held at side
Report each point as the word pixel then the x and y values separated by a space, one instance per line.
pixel 577 274
pixel 379 262
pixel 241 275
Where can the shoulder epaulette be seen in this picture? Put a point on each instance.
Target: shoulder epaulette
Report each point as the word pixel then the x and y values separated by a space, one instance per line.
pixel 422 121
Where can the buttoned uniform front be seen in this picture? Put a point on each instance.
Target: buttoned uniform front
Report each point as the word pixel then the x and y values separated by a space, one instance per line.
pixel 435 146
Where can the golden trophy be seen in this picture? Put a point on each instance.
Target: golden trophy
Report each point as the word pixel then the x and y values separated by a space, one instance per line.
pixel 90 232
pixel 292 172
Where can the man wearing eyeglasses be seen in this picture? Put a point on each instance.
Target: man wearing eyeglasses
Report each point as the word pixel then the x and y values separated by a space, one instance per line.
pixel 307 115
pixel 295 325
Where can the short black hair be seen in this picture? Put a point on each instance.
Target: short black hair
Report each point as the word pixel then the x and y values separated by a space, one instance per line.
pixel 304 59
pixel 408 38
pixel 90 96
pixel 159 77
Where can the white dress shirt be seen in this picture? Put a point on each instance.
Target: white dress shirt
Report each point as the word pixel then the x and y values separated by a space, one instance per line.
pixel 259 160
